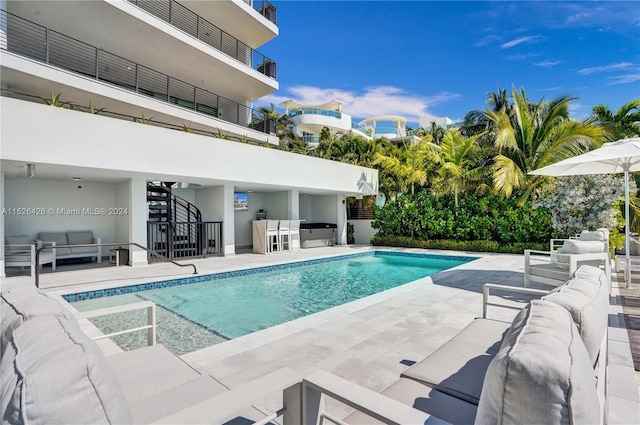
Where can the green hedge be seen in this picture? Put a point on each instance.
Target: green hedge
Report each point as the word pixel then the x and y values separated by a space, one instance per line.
pixel 474 246
pixel 477 218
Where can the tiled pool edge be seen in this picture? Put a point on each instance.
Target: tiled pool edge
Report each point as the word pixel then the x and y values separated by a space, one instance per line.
pixel 99 293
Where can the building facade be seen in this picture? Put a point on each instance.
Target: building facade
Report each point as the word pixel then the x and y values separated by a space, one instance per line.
pixel 109 106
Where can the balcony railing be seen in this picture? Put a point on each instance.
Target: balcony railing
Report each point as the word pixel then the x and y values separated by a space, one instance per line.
pixel 360 128
pixel 315 111
pixel 184 19
pixel 29 39
pixel 265 8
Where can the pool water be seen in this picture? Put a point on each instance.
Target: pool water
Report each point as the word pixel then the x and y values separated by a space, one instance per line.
pixel 216 310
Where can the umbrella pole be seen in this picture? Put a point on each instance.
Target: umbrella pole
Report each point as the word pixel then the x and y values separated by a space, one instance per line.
pixel 627 269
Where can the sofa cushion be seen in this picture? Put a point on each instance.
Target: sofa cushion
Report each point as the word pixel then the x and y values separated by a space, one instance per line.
pixel 50 356
pixel 22 303
pixel 573 246
pixel 60 238
pixel 80 238
pixel 588 302
pixel 542 373
pixel 599 235
pixel 457 368
pixel 16 244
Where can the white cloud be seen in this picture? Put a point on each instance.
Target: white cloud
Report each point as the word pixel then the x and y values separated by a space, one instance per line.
pixel 547 63
pixel 371 102
pixel 625 78
pixel 529 39
pixel 605 68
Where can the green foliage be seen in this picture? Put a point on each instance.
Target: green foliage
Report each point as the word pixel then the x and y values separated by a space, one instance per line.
pixel 487 217
pixel 55 101
pixel 473 246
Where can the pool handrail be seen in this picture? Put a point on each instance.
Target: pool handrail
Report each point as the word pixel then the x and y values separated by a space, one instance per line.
pixel 150 251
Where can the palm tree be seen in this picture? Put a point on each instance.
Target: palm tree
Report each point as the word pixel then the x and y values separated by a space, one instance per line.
pixel 409 166
pixel 624 123
pixel 535 135
pixel 456 158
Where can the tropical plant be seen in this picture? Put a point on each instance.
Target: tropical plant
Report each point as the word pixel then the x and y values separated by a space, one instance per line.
pixel 408 166
pixel 144 120
pixel 535 135
pixel 625 122
pixel 93 110
pixel 455 160
pixel 186 128
pixel 55 101
pixel 586 202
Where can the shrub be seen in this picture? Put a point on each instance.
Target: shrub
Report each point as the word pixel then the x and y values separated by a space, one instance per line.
pixel 456 245
pixel 477 218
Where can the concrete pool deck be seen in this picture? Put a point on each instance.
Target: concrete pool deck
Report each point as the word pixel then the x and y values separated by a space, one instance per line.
pixel 369 341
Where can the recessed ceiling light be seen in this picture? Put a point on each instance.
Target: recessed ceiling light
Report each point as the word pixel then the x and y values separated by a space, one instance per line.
pixel 76 179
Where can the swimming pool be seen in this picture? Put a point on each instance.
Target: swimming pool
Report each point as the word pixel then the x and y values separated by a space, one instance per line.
pixel 200 311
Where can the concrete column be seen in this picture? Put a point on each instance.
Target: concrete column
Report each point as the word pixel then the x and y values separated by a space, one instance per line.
pixel 2 273
pixel 228 221
pixel 293 204
pixel 138 214
pixel 341 219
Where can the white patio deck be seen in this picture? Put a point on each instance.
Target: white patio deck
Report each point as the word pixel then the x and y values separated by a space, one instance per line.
pixel 369 341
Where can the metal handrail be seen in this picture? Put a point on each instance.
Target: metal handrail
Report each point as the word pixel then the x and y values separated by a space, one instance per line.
pixel 34 41
pixel 150 251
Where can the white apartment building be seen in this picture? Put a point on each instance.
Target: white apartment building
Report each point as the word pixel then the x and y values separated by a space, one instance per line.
pixel 159 123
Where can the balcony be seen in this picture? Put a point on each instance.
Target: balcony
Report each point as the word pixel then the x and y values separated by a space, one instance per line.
pixel 42 44
pixel 315 111
pixel 184 19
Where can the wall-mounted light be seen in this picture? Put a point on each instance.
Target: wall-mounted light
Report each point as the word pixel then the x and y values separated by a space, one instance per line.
pixel 31 170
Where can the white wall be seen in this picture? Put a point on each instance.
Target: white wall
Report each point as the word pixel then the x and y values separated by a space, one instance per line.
pixel 65 207
pixel 363 231
pixel 101 142
pixel 323 209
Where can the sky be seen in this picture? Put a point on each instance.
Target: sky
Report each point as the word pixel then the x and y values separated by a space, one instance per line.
pixel 441 58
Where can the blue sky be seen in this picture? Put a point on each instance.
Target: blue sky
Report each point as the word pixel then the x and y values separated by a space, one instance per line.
pixel 441 58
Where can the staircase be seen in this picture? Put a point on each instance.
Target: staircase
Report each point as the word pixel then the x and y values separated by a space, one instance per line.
pixel 175 225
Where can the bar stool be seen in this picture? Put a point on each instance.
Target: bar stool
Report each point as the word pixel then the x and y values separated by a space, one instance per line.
pixel 272 237
pixel 283 233
pixel 294 235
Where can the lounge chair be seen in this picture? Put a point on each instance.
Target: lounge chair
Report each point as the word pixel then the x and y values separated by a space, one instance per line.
pixel 557 265
pixel 19 252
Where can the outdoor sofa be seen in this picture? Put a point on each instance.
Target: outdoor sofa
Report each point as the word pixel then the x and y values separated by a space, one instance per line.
pixel 72 238
pixel 547 366
pixel 53 373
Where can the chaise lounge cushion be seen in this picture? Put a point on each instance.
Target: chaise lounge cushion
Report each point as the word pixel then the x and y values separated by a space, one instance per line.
pixel 50 356
pixel 542 373
pixel 60 238
pixel 586 297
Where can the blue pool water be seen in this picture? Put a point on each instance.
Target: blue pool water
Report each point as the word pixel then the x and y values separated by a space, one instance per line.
pixel 234 304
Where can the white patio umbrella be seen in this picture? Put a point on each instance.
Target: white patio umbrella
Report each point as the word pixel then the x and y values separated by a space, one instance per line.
pixel 622 156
